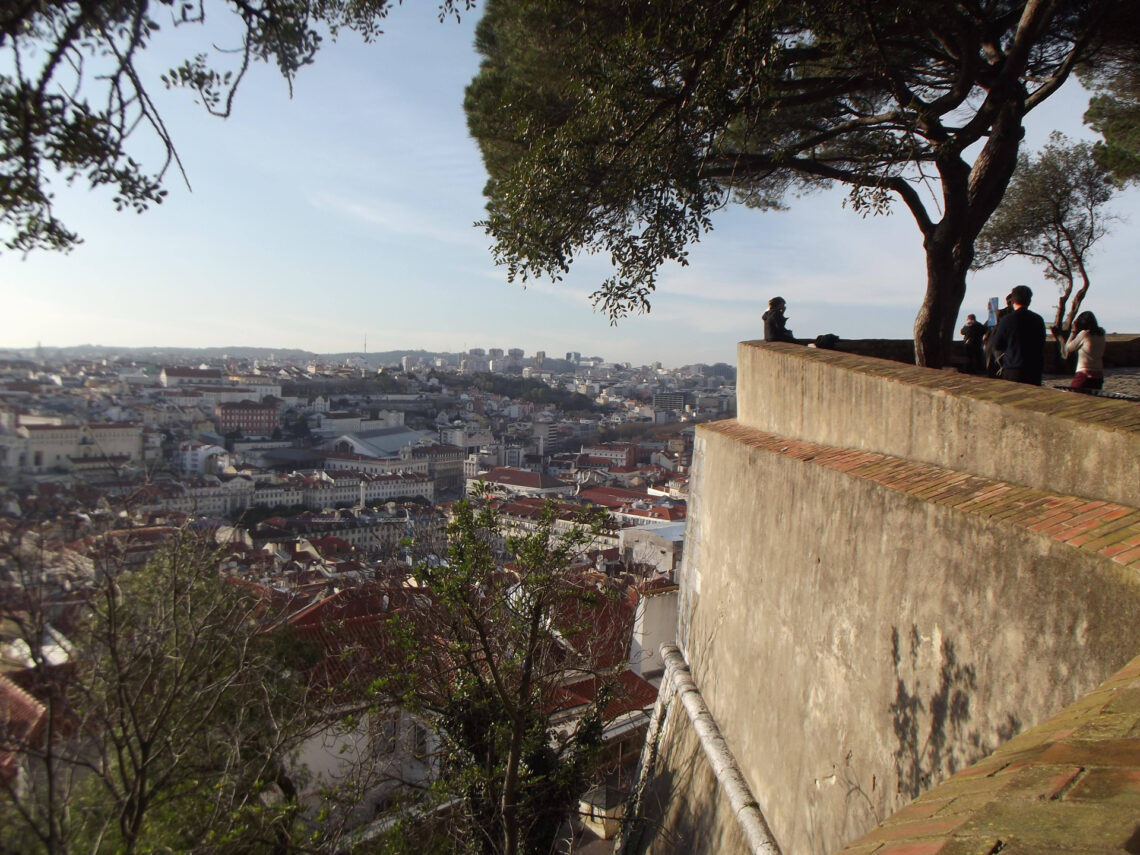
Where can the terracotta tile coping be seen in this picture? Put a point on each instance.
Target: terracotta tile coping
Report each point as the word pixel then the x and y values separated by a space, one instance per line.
pixel 1105 528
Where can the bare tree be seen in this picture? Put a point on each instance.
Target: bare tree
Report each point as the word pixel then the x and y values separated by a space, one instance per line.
pixel 168 726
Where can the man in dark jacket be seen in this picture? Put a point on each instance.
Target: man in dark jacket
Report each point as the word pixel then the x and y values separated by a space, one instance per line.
pixel 972 332
pixel 775 324
pixel 1020 337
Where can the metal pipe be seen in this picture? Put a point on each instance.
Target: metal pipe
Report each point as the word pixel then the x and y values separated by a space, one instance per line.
pixel 744 805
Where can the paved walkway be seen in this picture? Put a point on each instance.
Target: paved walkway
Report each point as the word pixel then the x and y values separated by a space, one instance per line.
pixel 1121 381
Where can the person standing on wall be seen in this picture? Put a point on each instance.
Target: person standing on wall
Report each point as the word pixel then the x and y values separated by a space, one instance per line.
pixel 1087 341
pixel 775 324
pixel 1020 337
pixel 972 332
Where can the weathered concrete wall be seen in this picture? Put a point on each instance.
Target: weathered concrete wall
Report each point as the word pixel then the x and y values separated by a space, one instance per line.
pixel 1022 434
pixel 1069 786
pixel 863 625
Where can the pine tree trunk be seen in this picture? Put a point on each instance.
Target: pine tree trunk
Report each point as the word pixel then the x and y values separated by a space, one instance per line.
pixel 945 290
pixel 969 196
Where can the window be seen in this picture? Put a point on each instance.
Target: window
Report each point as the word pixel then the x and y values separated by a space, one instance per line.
pixel 419 741
pixel 389 730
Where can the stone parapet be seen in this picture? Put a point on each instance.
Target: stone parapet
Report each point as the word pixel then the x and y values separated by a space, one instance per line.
pixel 1029 436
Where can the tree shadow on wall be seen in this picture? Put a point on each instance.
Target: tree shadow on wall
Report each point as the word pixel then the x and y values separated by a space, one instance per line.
pixel 933 738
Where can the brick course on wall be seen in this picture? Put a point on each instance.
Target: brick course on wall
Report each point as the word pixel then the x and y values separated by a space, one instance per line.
pixel 1106 528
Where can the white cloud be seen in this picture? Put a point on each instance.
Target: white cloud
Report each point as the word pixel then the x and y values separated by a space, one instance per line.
pixel 400 219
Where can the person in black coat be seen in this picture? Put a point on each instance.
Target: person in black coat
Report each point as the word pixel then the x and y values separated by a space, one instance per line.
pixel 775 324
pixel 973 332
pixel 1020 337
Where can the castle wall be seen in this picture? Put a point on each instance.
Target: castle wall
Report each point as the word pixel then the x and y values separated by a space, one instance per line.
pixel 876 592
pixel 1022 434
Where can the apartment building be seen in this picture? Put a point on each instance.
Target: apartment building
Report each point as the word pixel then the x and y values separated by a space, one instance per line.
pixel 40 448
pixel 172 375
pixel 247 417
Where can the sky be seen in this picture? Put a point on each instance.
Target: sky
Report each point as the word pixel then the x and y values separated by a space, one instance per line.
pixel 344 217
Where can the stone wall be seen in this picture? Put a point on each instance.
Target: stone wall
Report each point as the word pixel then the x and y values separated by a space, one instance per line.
pixel 890 571
pixel 1022 434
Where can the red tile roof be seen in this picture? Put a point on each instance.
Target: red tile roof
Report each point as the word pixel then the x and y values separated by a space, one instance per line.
pixel 513 477
pixel 631 693
pixel 329 546
pixel 599 630
pixel 22 720
pixel 612 496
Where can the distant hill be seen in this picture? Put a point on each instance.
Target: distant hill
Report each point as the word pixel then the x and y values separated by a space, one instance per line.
pixel 164 355
pixel 207 354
